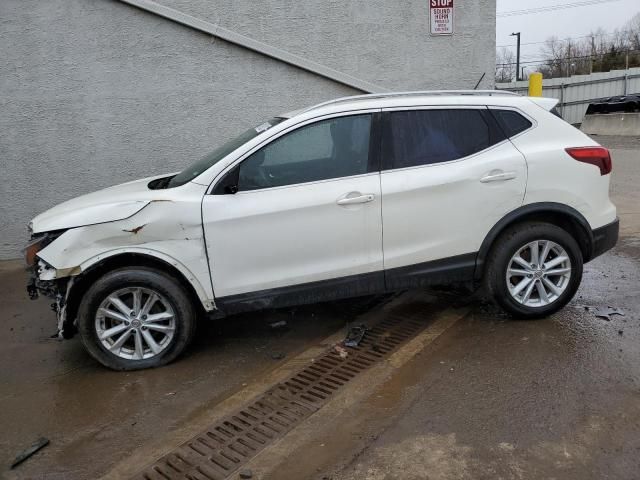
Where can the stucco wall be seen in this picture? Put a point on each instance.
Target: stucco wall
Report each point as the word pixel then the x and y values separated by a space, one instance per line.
pixel 95 92
pixel 385 42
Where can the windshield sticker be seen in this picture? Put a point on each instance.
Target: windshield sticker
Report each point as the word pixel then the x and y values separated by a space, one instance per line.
pixel 263 127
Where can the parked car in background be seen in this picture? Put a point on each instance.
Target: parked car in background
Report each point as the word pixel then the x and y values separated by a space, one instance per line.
pixel 351 197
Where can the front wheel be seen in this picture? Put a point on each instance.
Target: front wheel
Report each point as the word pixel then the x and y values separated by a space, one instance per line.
pixel 134 318
pixel 534 269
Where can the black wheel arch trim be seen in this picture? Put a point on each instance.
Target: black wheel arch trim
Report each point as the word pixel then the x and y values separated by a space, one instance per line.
pixel 521 213
pixel 127 259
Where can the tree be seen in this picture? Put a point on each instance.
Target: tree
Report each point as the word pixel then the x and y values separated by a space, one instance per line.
pixel 505 65
pixel 598 52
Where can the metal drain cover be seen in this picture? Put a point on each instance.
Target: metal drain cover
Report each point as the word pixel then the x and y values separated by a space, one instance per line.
pixel 224 447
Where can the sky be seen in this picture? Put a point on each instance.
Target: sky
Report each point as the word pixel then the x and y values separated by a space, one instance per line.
pixel 571 22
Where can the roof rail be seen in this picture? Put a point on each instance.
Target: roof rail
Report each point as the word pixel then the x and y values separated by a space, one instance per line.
pixel 373 96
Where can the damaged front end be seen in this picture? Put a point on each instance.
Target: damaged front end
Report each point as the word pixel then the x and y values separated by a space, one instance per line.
pixel 43 281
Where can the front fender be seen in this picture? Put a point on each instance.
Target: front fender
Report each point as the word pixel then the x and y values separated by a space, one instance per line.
pixel 205 297
pixel 170 231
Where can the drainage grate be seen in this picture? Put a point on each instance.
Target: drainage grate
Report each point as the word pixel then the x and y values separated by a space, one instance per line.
pixel 225 446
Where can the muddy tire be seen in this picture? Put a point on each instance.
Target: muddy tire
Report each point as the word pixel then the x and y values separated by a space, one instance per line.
pixel 533 269
pixel 135 318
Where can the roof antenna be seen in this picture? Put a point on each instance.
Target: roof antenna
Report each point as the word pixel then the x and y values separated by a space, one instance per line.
pixel 476 87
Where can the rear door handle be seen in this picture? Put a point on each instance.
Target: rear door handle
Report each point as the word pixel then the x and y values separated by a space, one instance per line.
pixel 366 198
pixel 498 176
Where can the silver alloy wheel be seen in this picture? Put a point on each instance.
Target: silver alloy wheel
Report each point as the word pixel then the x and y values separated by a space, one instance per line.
pixel 538 273
pixel 135 323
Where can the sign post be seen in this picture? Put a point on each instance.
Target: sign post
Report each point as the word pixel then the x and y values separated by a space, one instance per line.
pixel 441 17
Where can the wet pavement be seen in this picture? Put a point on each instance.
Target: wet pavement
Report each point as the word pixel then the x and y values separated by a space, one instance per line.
pixel 490 398
pixel 497 398
pixel 94 417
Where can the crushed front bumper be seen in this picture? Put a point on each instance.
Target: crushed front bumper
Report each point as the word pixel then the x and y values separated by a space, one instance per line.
pixel 58 290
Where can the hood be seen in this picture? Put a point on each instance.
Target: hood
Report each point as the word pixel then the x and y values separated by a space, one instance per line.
pixel 107 205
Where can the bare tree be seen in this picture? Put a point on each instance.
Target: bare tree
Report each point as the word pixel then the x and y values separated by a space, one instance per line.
pixel 553 51
pixel 597 52
pixel 505 65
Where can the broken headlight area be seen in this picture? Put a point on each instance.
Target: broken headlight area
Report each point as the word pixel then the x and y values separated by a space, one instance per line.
pixel 40 270
pixel 37 243
pixel 43 281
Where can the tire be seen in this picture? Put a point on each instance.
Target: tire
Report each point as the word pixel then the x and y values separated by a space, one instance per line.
pixel 508 292
pixel 163 332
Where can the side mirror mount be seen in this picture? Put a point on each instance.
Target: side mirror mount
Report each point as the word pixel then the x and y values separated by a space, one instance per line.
pixel 228 185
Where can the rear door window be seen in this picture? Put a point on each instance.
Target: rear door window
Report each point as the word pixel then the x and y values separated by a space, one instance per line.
pixel 512 123
pixel 423 137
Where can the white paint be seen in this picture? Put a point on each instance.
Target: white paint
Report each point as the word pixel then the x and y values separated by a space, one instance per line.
pixel 556 177
pixel 276 237
pixel 106 205
pixel 171 231
pixel 446 209
pixel 296 234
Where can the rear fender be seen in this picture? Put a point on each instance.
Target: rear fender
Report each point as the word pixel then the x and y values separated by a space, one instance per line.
pixel 555 213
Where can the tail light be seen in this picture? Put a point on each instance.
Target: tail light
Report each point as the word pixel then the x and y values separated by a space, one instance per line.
pixel 598 156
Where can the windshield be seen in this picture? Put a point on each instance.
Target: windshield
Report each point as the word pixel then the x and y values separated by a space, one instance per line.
pixel 219 153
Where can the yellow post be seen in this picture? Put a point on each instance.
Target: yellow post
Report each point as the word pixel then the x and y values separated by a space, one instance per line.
pixel 535 85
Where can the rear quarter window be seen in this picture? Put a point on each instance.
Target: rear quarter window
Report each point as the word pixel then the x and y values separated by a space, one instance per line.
pixel 512 123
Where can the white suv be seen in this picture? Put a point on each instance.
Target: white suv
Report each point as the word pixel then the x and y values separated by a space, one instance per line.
pixel 352 197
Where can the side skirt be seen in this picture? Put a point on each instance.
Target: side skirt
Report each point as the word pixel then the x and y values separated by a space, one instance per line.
pixel 438 272
pixel 312 292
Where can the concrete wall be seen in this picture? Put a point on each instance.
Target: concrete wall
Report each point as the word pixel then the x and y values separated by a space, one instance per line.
pixel 623 124
pixel 95 92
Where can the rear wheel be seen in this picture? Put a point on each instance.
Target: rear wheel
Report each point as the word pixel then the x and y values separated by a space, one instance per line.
pixel 134 318
pixel 534 269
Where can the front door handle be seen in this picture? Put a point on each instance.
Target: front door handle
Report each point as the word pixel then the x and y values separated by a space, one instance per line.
pixel 498 176
pixel 365 198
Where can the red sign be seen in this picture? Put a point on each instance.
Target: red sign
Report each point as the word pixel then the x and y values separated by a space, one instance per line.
pixel 441 12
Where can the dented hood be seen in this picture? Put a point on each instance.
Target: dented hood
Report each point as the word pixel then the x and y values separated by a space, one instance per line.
pixel 107 205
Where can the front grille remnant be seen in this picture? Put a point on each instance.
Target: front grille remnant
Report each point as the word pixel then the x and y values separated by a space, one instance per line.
pixel 227 445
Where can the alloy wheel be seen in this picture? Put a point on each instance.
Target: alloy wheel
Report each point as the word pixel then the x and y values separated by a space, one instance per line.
pixel 135 323
pixel 538 273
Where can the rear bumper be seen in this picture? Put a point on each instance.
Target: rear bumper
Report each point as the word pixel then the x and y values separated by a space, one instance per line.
pixel 605 238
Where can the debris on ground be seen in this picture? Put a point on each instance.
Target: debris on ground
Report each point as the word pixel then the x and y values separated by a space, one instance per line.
pixel 37 445
pixel 620 332
pixel 341 351
pixel 277 325
pixel 606 313
pixel 355 335
pixel 246 473
pixel 277 355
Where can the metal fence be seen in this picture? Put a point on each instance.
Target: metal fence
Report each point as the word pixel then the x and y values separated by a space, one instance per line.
pixel 576 92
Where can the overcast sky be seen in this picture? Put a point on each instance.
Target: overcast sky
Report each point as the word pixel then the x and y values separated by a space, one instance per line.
pixel 571 22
